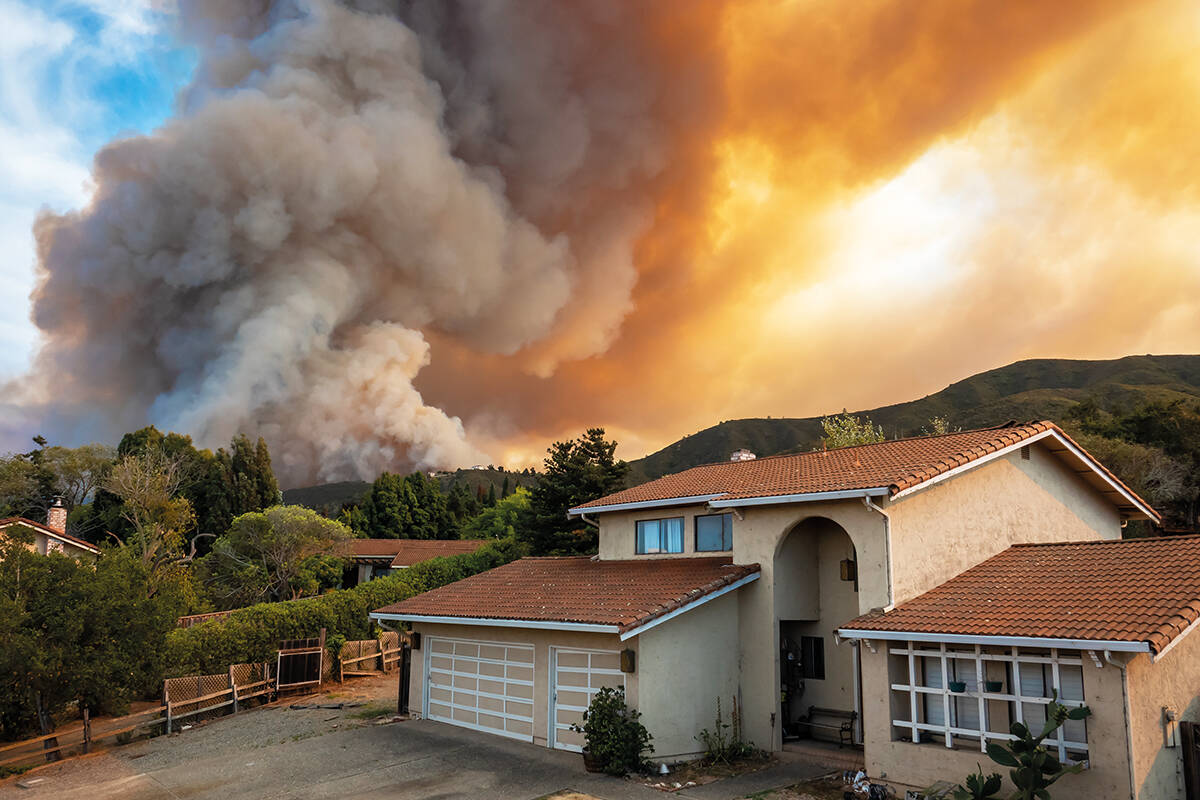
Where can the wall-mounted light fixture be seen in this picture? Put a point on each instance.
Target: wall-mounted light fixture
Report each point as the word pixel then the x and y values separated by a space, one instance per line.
pixel 849 570
pixel 628 660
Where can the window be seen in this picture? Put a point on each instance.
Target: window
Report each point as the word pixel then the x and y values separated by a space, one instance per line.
pixel 812 657
pixel 660 535
pixel 965 695
pixel 714 532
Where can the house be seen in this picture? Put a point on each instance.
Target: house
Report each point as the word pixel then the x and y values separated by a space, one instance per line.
pixel 52 536
pixel 736 579
pixel 376 557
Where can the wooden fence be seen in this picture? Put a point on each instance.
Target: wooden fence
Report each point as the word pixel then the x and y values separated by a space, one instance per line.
pixel 196 619
pixel 81 739
pixel 194 695
pixel 369 656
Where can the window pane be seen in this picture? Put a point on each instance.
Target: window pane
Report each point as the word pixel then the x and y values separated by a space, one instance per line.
pixel 672 535
pixel 714 532
pixel 648 537
pixel 812 657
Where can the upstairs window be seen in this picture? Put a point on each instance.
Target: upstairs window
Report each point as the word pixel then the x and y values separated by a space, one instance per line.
pixel 660 535
pixel 714 533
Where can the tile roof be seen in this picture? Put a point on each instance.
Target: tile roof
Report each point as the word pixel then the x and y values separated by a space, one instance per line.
pixel 1132 590
pixel 46 529
pixel 893 465
pixel 578 589
pixel 406 552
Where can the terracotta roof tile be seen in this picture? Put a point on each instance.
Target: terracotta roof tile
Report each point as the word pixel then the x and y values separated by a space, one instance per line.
pixel 578 589
pixel 1133 590
pixel 894 465
pixel 406 552
pixel 46 529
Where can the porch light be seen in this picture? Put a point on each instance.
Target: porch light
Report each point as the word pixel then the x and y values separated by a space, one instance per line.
pixel 628 660
pixel 849 570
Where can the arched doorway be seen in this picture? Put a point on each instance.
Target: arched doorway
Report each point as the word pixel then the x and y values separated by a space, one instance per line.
pixel 816 590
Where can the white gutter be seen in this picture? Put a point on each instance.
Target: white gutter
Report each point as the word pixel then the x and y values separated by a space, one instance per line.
pixel 1047 434
pixel 1002 641
pixel 588 627
pixel 806 497
pixel 629 634
pixel 672 501
pixel 887 546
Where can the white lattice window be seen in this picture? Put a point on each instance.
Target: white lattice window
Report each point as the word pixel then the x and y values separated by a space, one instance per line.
pixel 966 696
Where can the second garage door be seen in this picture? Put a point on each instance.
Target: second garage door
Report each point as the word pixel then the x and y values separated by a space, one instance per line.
pixel 577 676
pixel 487 686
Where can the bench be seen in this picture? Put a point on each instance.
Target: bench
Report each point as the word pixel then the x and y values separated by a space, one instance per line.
pixel 835 720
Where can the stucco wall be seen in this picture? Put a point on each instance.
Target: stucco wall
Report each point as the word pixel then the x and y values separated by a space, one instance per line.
pixel 920 765
pixel 1173 682
pixel 951 526
pixel 618 532
pixel 684 665
pixel 542 641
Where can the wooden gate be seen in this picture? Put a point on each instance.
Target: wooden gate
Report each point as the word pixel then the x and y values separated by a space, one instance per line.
pixel 300 662
pixel 1189 734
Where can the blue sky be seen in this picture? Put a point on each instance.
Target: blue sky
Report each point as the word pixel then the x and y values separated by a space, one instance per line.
pixel 74 74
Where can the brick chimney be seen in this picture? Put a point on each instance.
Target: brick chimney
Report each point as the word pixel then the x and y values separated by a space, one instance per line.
pixel 56 517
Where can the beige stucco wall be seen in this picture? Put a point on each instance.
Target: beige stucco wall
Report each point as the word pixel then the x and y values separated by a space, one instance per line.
pixel 951 526
pixel 1172 682
pixel 618 532
pixel 684 665
pixel 542 641
pixel 920 765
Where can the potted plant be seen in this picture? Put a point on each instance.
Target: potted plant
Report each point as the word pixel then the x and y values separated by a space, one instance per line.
pixel 615 741
pixel 958 687
pixel 993 686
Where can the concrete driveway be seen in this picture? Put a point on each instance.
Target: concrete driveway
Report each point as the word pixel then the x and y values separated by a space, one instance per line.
pixel 305 755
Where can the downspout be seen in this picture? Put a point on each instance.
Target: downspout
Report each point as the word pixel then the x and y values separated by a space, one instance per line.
pixel 887 546
pixel 591 522
pixel 1128 718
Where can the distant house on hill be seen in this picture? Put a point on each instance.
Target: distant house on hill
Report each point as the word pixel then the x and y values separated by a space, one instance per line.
pixel 376 557
pixel 52 536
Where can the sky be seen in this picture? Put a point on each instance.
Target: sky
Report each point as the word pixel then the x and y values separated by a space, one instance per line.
pixel 648 217
pixel 74 74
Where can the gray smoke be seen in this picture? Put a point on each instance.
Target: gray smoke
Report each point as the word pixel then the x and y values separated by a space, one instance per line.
pixel 339 182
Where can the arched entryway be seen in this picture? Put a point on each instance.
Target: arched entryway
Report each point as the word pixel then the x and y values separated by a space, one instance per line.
pixel 816 590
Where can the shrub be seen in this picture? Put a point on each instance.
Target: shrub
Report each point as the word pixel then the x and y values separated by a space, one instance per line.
pixel 613 734
pixel 252 634
pixel 723 744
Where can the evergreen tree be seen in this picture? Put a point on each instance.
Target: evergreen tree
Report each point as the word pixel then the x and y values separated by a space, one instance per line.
pixel 504 490
pixel 491 495
pixel 576 471
pixel 410 507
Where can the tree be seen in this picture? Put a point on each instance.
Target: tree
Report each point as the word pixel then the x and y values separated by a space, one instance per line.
pixel 409 507
pixel 938 426
pixel 845 430
pixel 577 471
pixel 282 553
pixel 461 503
pixel 158 518
pixel 501 521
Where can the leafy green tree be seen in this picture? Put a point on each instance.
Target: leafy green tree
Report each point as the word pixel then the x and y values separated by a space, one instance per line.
pixel 501 521
pixel 461 503
pixel 408 507
pixel 845 430
pixel 491 495
pixel 576 471
pixel 158 518
pixel 282 553
pixel 505 490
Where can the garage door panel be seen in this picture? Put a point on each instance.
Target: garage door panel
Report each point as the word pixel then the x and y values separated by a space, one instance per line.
pixel 577 676
pixel 475 687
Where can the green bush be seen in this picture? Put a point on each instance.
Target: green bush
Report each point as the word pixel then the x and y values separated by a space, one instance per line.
pixel 613 734
pixel 252 634
pixel 724 744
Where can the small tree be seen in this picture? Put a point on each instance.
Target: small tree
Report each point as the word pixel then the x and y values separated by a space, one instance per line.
pixel 577 471
pixel 613 734
pixel 1034 768
pixel 846 429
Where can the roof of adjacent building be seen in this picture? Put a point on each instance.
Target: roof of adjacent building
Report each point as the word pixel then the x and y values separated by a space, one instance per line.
pixel 406 552
pixel 1131 590
pixel 578 589
pixel 887 467
pixel 46 529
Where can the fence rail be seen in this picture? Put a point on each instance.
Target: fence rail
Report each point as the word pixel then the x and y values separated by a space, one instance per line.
pixel 82 737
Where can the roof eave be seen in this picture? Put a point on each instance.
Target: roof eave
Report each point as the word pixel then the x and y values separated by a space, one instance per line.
pixel 641 627
pixel 489 622
pixel 689 500
pixel 1002 641
pixel 804 497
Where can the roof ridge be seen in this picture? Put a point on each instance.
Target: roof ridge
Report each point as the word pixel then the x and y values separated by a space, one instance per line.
pixel 1003 426
pixel 1173 538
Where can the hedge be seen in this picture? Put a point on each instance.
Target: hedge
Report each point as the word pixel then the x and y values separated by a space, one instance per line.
pixel 253 634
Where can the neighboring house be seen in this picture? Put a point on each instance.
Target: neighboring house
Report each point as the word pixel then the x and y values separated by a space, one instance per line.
pixel 767 559
pixel 52 537
pixel 376 557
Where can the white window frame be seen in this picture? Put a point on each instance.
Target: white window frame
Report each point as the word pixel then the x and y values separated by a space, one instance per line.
pixel 637 539
pixel 948 728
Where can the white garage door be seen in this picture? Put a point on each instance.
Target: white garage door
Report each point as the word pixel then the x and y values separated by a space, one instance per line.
pixel 487 686
pixel 578 675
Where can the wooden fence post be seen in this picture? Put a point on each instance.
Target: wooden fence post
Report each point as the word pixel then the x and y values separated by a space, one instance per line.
pixel 167 702
pixel 233 688
pixel 87 729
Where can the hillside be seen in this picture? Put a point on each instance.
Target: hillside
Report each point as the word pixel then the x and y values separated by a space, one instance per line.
pixel 329 497
pixel 1035 389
